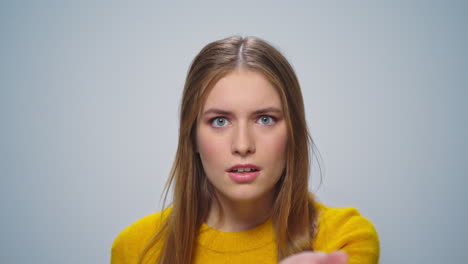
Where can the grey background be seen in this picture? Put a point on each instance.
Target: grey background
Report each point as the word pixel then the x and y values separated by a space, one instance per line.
pixel 89 102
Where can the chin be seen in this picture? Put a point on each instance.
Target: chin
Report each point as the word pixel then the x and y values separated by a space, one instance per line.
pixel 245 194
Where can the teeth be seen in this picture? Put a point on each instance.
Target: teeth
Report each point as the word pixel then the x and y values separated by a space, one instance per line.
pixel 243 170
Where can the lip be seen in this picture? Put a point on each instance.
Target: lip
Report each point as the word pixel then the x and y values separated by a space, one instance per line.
pixel 243 177
pixel 238 166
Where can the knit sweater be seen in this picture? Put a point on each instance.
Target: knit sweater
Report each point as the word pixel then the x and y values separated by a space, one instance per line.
pixel 338 229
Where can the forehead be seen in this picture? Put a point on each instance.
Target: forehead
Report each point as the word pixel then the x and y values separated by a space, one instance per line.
pixel 243 90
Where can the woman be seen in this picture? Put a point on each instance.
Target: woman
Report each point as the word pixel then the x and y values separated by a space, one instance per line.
pixel 241 173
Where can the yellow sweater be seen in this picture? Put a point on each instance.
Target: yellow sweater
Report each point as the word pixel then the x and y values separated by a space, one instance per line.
pixel 339 228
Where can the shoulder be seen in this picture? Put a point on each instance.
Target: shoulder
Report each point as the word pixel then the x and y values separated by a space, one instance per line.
pixel 131 241
pixel 346 229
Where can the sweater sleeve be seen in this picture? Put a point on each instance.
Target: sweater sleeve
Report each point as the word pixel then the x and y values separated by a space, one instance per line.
pixel 130 243
pixel 118 251
pixel 345 229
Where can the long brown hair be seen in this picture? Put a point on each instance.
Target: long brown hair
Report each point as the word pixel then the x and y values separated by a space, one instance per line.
pixel 294 215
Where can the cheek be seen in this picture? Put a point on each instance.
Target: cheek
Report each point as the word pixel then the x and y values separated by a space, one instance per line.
pixel 280 144
pixel 210 149
pixel 277 145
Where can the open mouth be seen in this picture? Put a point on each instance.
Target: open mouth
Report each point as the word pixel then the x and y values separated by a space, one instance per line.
pixel 244 170
pixel 244 173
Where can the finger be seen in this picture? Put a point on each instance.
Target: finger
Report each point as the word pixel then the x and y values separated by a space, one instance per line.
pixel 338 257
pixel 307 257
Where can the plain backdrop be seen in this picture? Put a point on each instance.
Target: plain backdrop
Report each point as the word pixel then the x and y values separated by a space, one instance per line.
pixel 90 93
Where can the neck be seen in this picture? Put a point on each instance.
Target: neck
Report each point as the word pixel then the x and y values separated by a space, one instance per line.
pixel 235 216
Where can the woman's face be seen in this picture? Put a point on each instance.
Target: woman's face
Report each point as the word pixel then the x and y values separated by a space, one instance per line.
pixel 242 124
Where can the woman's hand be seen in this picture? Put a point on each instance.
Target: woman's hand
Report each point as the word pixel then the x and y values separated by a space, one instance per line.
pixel 336 257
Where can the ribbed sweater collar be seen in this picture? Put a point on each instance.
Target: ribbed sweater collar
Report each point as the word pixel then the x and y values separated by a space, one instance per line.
pixel 232 242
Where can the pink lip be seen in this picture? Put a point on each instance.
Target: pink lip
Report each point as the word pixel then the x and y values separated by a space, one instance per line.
pixel 237 166
pixel 243 177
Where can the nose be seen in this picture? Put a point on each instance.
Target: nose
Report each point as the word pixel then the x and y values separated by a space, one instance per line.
pixel 243 142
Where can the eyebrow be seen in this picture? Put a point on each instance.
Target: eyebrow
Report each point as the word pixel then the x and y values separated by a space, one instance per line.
pixel 257 112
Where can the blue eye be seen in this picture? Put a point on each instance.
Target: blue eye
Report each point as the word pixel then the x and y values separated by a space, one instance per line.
pixel 266 120
pixel 219 122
